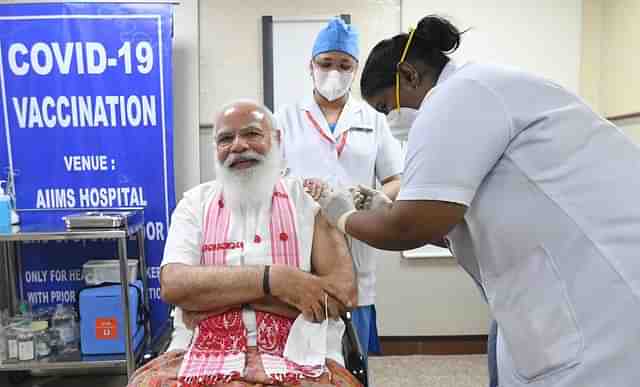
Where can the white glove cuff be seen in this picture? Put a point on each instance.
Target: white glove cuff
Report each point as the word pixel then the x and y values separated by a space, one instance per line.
pixel 342 221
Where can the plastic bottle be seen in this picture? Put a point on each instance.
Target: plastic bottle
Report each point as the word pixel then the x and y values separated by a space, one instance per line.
pixel 5 209
pixel 42 339
pixel 14 326
pixel 12 343
pixel 26 344
pixel 64 323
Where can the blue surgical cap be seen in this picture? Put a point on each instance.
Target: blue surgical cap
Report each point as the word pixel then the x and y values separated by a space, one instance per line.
pixel 337 36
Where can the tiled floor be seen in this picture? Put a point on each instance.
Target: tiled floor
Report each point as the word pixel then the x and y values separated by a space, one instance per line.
pixel 390 371
pixel 429 371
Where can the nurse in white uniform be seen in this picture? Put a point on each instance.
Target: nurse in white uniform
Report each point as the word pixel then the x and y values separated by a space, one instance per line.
pixel 537 196
pixel 332 136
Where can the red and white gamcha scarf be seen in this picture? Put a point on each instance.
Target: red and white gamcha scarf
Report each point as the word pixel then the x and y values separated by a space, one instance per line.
pixel 218 349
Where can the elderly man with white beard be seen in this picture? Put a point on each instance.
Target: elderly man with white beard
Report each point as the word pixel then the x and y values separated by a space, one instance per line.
pixel 258 275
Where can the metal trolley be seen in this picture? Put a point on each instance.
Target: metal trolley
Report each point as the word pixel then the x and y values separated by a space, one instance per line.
pixel 56 230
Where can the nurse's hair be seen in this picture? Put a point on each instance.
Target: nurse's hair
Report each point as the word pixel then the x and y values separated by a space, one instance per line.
pixel 433 40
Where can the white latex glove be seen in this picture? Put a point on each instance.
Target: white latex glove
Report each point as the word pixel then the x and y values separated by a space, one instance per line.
pixel 371 199
pixel 336 203
pixel 359 198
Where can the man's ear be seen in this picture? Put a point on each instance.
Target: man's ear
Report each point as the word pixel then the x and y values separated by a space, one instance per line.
pixel 409 74
pixel 279 135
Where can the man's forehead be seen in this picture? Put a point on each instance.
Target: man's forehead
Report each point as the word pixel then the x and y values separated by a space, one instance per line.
pixel 240 117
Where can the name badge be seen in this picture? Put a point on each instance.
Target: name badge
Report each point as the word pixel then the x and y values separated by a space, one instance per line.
pixel 365 129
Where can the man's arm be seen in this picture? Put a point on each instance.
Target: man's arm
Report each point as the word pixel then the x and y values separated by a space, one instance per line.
pixel 207 288
pixel 273 305
pixel 331 260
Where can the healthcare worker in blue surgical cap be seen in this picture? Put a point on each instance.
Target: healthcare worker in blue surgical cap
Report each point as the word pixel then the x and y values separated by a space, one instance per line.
pixel 536 194
pixel 335 137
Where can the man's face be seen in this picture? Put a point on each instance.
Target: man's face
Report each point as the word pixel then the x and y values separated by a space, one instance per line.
pixel 243 136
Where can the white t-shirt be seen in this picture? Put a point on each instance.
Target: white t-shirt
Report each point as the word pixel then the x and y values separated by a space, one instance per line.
pixel 184 240
pixel 370 154
pixel 552 230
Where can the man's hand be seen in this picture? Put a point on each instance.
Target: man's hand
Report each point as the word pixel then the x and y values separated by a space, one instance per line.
pixel 306 292
pixel 340 291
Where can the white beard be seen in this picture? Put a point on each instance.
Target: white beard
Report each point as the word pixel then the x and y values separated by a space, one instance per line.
pixel 252 188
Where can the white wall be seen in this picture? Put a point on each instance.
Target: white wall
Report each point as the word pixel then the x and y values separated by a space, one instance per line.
pixel 592 59
pixel 620 45
pixel 231 43
pixel 542 36
pixel 609 77
pixel 631 127
pixel 186 96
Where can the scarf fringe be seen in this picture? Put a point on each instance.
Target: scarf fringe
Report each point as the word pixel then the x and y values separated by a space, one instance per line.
pixel 207 355
pixel 207 380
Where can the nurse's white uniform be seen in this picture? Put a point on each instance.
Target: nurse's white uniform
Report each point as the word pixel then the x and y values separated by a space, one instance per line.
pixel 360 151
pixel 553 227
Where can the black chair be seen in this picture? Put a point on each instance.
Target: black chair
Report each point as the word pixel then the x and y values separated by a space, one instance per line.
pixel 354 359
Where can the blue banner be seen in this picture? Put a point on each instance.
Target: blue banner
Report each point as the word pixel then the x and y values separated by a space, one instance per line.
pixel 86 118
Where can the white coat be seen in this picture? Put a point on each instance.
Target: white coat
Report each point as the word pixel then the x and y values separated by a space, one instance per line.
pixel 552 230
pixel 360 151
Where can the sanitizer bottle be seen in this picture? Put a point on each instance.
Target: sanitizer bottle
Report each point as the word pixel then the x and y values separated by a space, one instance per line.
pixel 5 209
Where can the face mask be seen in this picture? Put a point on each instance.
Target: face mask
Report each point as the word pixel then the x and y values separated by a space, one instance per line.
pixel 401 120
pixel 309 343
pixel 332 84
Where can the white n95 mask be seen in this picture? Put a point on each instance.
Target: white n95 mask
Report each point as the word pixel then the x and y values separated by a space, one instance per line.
pixel 400 121
pixel 310 344
pixel 307 342
pixel 332 84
